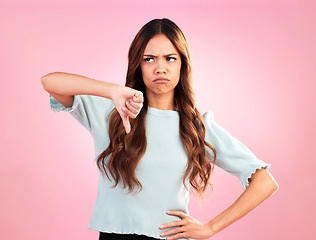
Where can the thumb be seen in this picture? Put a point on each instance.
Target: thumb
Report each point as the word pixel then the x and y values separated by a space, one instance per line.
pixel 126 123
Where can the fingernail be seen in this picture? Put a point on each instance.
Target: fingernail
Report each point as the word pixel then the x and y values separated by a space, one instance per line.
pixel 168 211
pixel 162 226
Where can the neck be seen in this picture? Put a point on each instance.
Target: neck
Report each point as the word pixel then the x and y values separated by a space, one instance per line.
pixel 163 102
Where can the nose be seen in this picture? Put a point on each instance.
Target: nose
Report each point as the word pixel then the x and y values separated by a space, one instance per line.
pixel 160 67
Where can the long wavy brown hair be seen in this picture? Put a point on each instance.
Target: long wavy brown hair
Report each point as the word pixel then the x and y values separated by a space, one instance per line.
pixel 124 152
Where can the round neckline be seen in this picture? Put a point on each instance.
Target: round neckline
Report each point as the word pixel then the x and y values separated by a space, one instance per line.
pixel 160 112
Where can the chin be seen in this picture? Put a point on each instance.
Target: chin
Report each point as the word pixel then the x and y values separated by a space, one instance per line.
pixel 163 90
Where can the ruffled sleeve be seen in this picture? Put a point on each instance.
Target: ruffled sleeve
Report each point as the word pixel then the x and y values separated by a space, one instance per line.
pixel 232 155
pixel 90 111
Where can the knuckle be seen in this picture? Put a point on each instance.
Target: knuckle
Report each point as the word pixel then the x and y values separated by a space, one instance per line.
pixel 185 221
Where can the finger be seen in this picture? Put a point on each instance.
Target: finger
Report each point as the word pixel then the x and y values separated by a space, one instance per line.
pixel 172 231
pixel 135 105
pixel 126 122
pixel 138 97
pixel 128 112
pixel 177 213
pixel 130 106
pixel 171 224
pixel 127 125
pixel 177 236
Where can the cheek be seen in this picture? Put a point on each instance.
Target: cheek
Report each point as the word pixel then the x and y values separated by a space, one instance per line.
pixel 144 71
pixel 145 75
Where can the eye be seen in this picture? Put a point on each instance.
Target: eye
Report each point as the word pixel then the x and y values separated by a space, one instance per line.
pixel 147 59
pixel 169 58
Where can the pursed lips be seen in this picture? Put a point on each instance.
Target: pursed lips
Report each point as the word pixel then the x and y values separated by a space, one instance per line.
pixel 161 80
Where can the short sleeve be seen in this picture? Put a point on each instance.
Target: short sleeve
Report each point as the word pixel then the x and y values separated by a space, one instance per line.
pixel 90 111
pixel 232 155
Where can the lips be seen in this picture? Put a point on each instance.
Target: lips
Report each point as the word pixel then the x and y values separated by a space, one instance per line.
pixel 161 80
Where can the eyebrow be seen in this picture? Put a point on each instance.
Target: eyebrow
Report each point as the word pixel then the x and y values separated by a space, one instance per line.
pixel 149 55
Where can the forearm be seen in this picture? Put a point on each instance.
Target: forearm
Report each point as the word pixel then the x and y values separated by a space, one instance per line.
pixel 69 84
pixel 261 187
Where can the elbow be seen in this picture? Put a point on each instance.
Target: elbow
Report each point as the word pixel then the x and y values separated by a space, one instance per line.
pixel 274 186
pixel 270 185
pixel 265 181
pixel 47 76
pixel 46 79
pixel 44 82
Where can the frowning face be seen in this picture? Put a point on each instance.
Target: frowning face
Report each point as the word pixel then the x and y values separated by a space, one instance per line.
pixel 160 66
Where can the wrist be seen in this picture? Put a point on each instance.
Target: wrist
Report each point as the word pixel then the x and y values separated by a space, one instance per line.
pixel 213 228
pixel 111 90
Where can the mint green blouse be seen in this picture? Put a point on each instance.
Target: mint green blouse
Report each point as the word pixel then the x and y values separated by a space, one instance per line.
pixel 160 170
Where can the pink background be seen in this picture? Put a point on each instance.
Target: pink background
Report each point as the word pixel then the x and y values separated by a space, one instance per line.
pixel 254 67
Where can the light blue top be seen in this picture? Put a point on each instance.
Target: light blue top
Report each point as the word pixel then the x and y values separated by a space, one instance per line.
pixel 160 171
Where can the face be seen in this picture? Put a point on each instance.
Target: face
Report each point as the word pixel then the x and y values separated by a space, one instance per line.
pixel 160 60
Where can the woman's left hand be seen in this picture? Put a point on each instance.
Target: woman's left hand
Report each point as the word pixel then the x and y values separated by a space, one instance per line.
pixel 187 227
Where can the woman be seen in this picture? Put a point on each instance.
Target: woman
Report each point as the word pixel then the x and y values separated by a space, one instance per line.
pixel 153 146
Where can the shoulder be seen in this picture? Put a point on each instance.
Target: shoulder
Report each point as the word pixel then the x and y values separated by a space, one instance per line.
pixel 208 116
